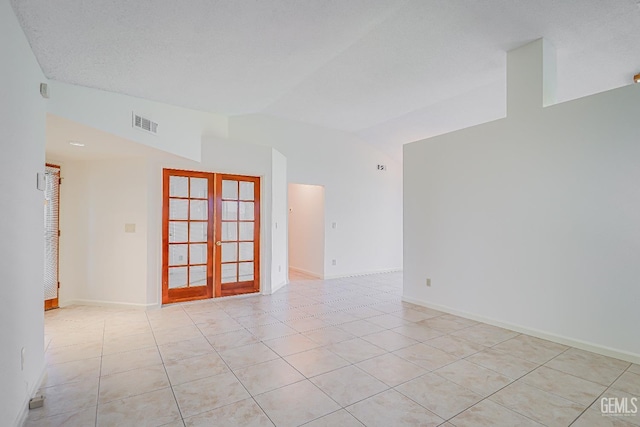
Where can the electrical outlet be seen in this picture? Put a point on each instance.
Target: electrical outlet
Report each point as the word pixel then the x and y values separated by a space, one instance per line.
pixel 428 282
pixel 23 356
pixel 279 269
pixel 334 262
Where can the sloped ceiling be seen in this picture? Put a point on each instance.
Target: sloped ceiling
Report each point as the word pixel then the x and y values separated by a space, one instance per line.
pixel 390 71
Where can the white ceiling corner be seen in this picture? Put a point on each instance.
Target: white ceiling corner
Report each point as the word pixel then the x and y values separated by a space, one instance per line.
pixel 391 72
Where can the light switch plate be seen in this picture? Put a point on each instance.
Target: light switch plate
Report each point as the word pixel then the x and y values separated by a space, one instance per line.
pixel 129 228
pixel 41 183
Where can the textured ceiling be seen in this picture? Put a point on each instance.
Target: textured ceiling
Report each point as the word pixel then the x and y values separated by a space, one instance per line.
pixel 390 71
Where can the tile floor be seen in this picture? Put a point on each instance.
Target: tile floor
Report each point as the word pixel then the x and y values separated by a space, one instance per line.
pixel 343 352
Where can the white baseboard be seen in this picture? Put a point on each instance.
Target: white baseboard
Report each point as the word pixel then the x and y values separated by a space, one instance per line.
pixel 572 342
pixel 366 273
pixel 24 412
pixel 306 272
pixel 109 304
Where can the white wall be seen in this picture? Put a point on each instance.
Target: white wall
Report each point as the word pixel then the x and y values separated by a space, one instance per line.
pixel 306 229
pixel 22 118
pixel 366 204
pixel 180 130
pixel 532 221
pixel 99 261
pixel 279 231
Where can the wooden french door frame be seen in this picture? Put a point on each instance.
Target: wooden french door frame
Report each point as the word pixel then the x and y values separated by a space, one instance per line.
pixel 232 241
pixel 52 236
pixel 244 216
pixel 186 291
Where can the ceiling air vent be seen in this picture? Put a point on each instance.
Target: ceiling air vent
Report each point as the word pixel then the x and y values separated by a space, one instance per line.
pixel 145 124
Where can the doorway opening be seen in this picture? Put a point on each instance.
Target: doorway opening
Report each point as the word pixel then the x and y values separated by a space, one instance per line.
pixel 211 235
pixel 306 232
pixel 51 235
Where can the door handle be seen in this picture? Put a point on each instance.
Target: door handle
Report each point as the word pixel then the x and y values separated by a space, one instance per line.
pixel 218 243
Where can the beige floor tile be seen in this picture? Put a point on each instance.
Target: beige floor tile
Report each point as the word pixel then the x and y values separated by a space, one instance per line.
pixel 474 377
pixel 195 368
pixel 387 307
pixel 486 335
pixel 70 397
pixel 635 369
pixel 276 330
pixel 628 382
pixel 74 337
pixel 355 350
pixel 411 315
pixel 329 335
pixel 339 418
pixel 197 397
pixel 129 360
pixel 121 344
pixel 185 349
pixel 257 320
pixel 360 328
pixel 590 366
pixel 391 408
pixel 443 323
pixel 454 345
pixel 442 397
pixel 503 363
pixel 315 362
pixel 248 355
pixel 431 312
pixel 170 321
pixel 245 413
pixel 363 312
pixel 418 332
pixel 122 328
pixel 348 385
pixel 155 408
pixel 83 418
pixel 268 376
pixel 72 353
pixel 296 404
pixel 307 324
pixel 229 340
pixel 291 344
pixel 79 370
pixel 219 326
pixel 391 369
pixel 389 340
pixel 337 318
pixel 530 348
pixel 182 333
pixel 546 408
pixel 426 356
pixel 490 414
pixel 387 321
pixel 131 383
pixel 564 385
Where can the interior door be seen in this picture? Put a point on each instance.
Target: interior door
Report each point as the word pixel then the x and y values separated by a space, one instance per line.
pixel 237 234
pixel 188 223
pixel 51 235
